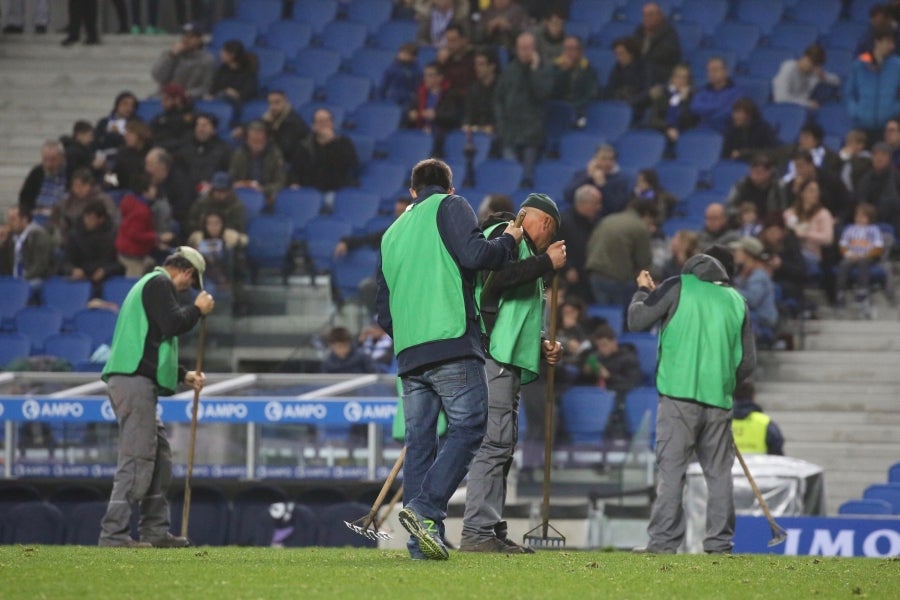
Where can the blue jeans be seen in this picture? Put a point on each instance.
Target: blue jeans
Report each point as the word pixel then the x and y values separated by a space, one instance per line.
pixel 432 474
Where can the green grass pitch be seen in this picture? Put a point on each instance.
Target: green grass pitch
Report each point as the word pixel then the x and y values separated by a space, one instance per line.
pixel 55 572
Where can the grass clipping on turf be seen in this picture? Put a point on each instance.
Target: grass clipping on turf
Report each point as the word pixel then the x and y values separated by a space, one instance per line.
pixel 60 572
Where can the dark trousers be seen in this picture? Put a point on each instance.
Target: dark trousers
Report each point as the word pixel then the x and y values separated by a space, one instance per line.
pixel 83 12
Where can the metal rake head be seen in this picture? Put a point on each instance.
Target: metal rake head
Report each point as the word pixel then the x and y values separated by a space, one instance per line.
pixel 778 536
pixel 361 527
pixel 539 538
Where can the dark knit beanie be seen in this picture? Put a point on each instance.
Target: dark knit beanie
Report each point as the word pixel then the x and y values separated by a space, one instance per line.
pixel 543 203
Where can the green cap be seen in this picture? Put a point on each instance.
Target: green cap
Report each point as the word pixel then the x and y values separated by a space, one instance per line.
pixel 197 261
pixel 543 203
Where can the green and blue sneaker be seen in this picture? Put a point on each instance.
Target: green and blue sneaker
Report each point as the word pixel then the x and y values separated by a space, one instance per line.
pixel 426 533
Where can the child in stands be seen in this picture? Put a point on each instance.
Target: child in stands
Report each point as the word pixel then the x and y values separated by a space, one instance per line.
pixel 861 245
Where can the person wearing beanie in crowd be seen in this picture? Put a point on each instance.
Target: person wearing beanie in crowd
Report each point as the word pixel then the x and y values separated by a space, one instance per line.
pixel 511 303
pixel 187 63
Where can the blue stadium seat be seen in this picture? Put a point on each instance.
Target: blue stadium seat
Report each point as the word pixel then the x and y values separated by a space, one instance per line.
pixel 14 295
pixel 608 119
pixel 822 14
pixel 260 12
pixel 859 10
pixel 762 13
pixel 455 145
pixel 499 175
pixel 344 37
pixel 845 37
pixel 34 523
pixel 13 346
pixel 234 29
pixel 371 13
pixel 68 497
pixel 646 345
pixel 677 177
pixel 580 29
pixel 316 13
pixel 694 206
pixel 840 62
pixel 252 199
pixel 758 89
pixel 408 146
pixel 73 346
pixel 592 11
pixel 116 288
pixel 300 206
pixel 253 110
pixel 793 36
pixel 331 529
pixel 364 146
pixel 271 63
pixel 610 32
pixel 894 473
pixel 347 91
pixel 376 119
pixel 613 314
pixel 379 223
pixel 223 111
pixel 369 62
pixel 316 63
pixel 38 323
pixel 602 59
pixel 889 492
pixel 551 176
pixel 251 524
pixel 322 235
pixel 288 36
pixel 209 519
pixel 725 173
pixel 705 13
pixel 68 295
pixel 640 149
pixel 690 35
pixel 299 90
pixel 348 271
pixel 269 244
pixel 834 119
pixel 740 38
pixel 585 411
pixel 870 506
pixel 559 118
pixel 787 119
pixel 395 33
pixel 148 108
pixel 765 62
pixel 356 206
pixel 699 147
pixel 83 523
pixel 641 406
pixel 578 147
pixel 384 176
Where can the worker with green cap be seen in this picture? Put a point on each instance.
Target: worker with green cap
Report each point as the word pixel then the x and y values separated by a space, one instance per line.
pixel 511 304
pixel 142 365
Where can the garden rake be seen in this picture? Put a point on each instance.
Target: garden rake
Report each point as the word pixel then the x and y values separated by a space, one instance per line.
pixel 366 526
pixel 778 534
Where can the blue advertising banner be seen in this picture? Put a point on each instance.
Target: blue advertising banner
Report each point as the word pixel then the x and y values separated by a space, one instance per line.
pixel 821 536
pixel 106 471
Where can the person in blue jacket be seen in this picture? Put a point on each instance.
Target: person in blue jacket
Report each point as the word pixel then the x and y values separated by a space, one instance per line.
pixel 712 104
pixel 871 92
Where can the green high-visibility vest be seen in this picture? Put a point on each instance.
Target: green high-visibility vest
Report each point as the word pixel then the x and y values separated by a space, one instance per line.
pixel 516 337
pixel 426 288
pixel 750 433
pixel 700 348
pixel 130 336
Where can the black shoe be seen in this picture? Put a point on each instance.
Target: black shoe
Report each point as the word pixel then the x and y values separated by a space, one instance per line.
pixel 512 544
pixel 40 29
pixel 13 29
pixel 170 541
pixel 69 41
pixel 492 545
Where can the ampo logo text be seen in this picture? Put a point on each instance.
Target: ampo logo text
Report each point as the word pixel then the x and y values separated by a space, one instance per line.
pixel 276 411
pixel 32 409
pixel 217 410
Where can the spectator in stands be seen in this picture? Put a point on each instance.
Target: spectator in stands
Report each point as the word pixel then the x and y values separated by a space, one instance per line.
pixel 628 80
pixel 173 125
pixel 716 229
pixel 603 172
pixel 712 103
pixel 83 191
pixel 494 203
pixel 550 34
pixel 479 113
pixel 812 222
pixel 172 195
pixel 647 187
pixel 752 280
pixel 14 10
pixel 257 163
pixel 614 367
pixel 287 128
pixel 574 79
pixel 786 264
pixel 457 60
pixel 223 249
pixel 436 110
pixel 327 160
pixel 878 187
pixel 110 130
pixel 46 183
pixel 871 89
pixel 235 81
pixel 747 132
pixel 833 194
pixel 129 158
pixel 33 248
pixel 797 80
pixel 892 139
pixel 861 244
pixel 812 139
pixel 670 105
pixel 378 345
pixel 204 153
pixel 880 19
pixel 501 24
pixel 90 248
pixel 82 12
pixel 521 92
pixel 684 245
pixel 219 198
pixel 577 225
pixel 80 149
pixel 856 160
pixel 187 63
pixel 618 248
pixel 136 237
pixel 402 78
pixel 749 224
pixel 754 431
pixel 438 17
pixel 659 44
pixel 343 356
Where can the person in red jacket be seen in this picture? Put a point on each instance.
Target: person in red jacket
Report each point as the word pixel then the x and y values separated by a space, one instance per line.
pixel 137 236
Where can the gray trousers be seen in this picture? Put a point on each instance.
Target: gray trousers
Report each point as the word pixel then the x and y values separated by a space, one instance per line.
pixel 486 484
pixel 15 12
pixel 144 468
pixel 684 429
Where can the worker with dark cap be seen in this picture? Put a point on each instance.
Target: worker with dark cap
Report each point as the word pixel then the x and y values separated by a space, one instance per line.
pixel 754 431
pixel 511 304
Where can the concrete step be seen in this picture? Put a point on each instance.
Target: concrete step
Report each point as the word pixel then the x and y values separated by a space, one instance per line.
pixel 828 366
pixel 844 399
pixel 835 420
